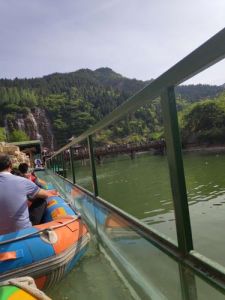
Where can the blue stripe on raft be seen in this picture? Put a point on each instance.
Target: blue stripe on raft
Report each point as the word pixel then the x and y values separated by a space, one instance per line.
pixel 26 249
pixel 75 259
pixel 13 235
pixel 39 249
pixel 56 202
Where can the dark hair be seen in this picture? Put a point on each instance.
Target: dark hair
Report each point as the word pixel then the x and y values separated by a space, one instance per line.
pixel 5 162
pixel 23 168
pixel 16 172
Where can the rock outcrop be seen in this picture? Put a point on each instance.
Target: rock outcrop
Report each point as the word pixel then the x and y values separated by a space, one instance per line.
pixel 15 154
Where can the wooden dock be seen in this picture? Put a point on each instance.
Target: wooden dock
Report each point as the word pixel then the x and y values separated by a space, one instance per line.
pixel 156 147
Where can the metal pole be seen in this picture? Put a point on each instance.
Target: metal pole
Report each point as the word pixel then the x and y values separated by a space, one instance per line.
pixel 92 162
pixel 54 166
pixel 63 164
pixel 58 161
pixel 174 155
pixel 72 165
pixel 188 284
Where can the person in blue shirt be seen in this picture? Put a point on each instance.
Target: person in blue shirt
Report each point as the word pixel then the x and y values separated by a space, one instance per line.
pixel 14 192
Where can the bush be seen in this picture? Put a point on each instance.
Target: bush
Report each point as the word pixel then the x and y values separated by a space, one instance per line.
pixel 18 136
pixel 2 134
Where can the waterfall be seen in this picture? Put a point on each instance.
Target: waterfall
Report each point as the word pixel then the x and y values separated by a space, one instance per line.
pixel 30 126
pixel 35 124
pixel 21 124
pixel 44 128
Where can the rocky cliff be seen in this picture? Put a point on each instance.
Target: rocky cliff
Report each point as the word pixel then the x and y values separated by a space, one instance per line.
pixel 36 125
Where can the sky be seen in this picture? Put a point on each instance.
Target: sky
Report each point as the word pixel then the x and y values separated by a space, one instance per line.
pixel 136 38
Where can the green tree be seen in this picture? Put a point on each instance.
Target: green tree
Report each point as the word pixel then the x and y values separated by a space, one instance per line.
pixel 204 122
pixel 2 134
pixel 18 136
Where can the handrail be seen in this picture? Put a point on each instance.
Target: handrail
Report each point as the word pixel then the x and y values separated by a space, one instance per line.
pixel 200 59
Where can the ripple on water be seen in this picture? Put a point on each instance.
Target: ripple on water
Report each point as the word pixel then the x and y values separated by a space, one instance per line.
pixel 154 211
pixel 192 202
pixel 167 203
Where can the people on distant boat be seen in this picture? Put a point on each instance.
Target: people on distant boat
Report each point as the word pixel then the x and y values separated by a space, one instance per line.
pixel 14 191
pixel 38 163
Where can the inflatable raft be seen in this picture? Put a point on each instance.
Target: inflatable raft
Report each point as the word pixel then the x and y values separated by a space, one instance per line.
pixel 22 288
pixel 11 292
pixel 47 251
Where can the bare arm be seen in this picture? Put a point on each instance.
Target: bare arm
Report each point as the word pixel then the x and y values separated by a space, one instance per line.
pixel 45 194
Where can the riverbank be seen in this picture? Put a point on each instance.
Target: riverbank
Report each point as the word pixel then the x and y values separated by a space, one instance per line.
pixel 205 149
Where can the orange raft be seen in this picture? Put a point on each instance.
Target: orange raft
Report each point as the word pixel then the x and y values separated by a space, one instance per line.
pixel 48 251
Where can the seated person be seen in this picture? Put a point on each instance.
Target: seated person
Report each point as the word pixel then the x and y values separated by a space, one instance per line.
pixel 16 172
pixel 23 168
pixel 38 163
pixel 14 190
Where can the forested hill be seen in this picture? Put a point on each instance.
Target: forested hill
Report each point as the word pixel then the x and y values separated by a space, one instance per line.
pixel 104 78
pixel 82 79
pixel 72 102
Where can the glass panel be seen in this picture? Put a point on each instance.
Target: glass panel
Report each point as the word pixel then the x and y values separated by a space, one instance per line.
pixel 202 125
pixel 205 291
pixel 206 194
pixel 157 279
pixel 132 168
pixel 93 276
pixel 148 272
pixel 82 167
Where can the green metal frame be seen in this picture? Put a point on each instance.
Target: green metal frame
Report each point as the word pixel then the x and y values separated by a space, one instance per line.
pixel 72 164
pixel 92 162
pixel 176 169
pixel 206 55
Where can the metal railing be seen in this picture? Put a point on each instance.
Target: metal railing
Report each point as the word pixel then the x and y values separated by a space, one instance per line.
pixel 206 55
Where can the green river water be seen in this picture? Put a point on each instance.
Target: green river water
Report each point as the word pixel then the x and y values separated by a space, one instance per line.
pixel 141 187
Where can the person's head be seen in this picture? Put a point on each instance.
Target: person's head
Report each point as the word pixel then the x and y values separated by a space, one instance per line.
pixel 5 162
pixel 23 168
pixel 16 172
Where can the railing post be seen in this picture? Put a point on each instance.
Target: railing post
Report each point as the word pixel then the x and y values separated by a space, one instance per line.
pixel 58 167
pixel 188 284
pixel 175 161
pixel 53 164
pixel 92 162
pixel 72 165
pixel 63 164
pixel 54 168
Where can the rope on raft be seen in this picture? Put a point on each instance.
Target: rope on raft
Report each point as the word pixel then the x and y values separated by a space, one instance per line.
pixel 28 285
pixel 38 232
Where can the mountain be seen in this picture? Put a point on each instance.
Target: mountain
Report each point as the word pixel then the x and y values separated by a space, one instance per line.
pixel 107 78
pixel 198 92
pixel 57 106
